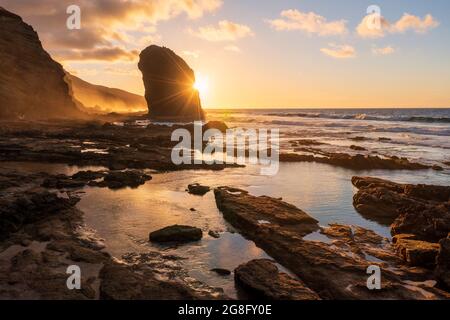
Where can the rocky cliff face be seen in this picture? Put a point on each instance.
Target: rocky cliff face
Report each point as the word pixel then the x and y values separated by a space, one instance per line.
pixel 32 84
pixel 101 99
pixel 169 82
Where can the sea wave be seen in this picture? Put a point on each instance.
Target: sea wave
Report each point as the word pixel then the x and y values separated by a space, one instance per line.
pixel 364 116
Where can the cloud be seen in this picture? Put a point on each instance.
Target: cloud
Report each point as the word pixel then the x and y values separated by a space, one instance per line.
pixel 375 26
pixel 234 49
pixel 224 31
pixel 98 54
pixel 104 23
pixel 410 22
pixel 309 22
pixel 339 51
pixel 383 51
pixel 194 54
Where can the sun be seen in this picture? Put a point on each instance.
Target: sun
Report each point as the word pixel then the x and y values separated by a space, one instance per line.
pixel 201 84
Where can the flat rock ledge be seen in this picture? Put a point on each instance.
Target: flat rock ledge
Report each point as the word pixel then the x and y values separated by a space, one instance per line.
pixel 336 269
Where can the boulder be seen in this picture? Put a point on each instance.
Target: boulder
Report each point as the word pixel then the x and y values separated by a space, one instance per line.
pixel 262 279
pixel 221 271
pixel 122 179
pixel 198 189
pixel 32 84
pixel 416 252
pixel 169 86
pixel 176 233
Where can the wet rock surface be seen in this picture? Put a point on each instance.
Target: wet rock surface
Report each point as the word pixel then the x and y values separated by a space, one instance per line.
pixel 336 270
pixel 355 162
pixel 422 210
pixel 416 252
pixel 176 233
pixel 169 86
pixel 198 189
pixel 43 234
pixel 264 281
pixel 116 147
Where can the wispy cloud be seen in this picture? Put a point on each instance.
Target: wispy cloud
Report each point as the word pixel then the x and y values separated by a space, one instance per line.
pixel 194 54
pixel 373 26
pixel 224 31
pixel 105 24
pixel 383 51
pixel 308 22
pixel 234 49
pixel 97 54
pixel 339 51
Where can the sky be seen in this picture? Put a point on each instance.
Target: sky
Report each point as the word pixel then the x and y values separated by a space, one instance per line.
pixel 260 53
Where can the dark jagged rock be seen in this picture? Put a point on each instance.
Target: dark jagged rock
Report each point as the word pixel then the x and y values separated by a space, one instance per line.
pixel 422 210
pixel 32 84
pixel 262 279
pixel 198 189
pixel 169 86
pixel 122 179
pixel 443 262
pixel 221 271
pixel 332 271
pixel 354 162
pixel 18 210
pixel 176 233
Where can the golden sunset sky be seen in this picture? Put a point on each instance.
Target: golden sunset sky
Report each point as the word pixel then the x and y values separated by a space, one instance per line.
pixel 257 53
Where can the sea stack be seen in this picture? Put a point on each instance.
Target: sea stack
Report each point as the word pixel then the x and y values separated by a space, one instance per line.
pixel 32 84
pixel 169 86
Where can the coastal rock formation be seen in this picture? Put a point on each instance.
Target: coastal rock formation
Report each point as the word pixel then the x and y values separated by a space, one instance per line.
pixel 176 233
pixel 336 270
pixel 354 162
pixel 198 189
pixel 422 210
pixel 169 86
pixel 43 233
pixel 32 84
pixel 30 206
pixel 416 252
pixel 262 279
pixel 443 262
pixel 101 99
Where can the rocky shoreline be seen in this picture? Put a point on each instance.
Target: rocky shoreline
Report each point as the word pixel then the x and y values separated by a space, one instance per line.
pixel 42 231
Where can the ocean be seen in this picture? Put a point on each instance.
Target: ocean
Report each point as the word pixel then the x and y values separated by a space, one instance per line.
pixel 418 134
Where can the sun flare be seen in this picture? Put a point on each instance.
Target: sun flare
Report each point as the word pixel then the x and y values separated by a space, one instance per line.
pixel 201 85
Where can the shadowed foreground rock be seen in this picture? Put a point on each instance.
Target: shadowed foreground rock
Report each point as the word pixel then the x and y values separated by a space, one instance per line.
pixel 332 270
pixel 422 210
pixel 443 262
pixel 169 86
pixel 354 162
pixel 262 278
pixel 32 84
pixel 198 189
pixel 176 233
